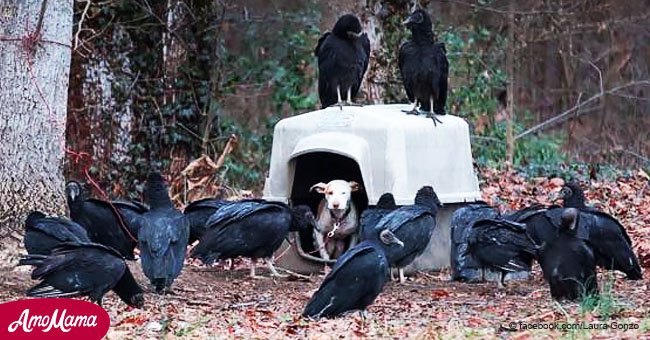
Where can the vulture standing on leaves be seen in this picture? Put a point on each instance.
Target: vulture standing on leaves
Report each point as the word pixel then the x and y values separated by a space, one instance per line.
pixel 464 265
pixel 411 225
pixel 131 213
pixel 568 262
pixel 343 56
pixel 424 67
pixel 163 236
pixel 83 269
pixel 197 214
pixel 610 242
pixel 355 281
pixel 103 222
pixel 43 234
pixel 501 245
pixel 250 228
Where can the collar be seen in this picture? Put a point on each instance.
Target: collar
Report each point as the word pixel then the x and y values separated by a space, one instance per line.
pixel 343 217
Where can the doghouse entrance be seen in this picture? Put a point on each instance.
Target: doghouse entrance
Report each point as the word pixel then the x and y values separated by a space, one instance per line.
pixel 315 167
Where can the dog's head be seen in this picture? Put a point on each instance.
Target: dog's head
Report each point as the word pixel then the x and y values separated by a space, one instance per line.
pixel 338 193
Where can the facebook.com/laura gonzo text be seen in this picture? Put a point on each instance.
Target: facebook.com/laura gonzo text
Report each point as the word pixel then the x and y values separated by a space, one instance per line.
pixel 612 325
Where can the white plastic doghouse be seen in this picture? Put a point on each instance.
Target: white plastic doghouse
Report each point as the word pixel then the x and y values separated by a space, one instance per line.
pixel 384 150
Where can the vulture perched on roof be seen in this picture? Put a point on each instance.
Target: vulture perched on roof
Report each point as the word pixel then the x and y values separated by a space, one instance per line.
pixel 424 67
pixel 343 56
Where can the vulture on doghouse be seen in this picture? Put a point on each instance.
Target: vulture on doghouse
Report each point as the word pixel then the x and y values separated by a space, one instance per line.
pixel 411 225
pixel 250 228
pixel 343 57
pixel 104 221
pixel 43 234
pixel 355 281
pixel 568 262
pixel 163 236
pixel 424 67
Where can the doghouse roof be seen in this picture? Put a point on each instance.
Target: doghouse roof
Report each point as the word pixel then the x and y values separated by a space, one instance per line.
pixel 396 152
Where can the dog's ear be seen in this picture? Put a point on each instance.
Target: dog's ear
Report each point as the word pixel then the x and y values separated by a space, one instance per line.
pixel 354 186
pixel 319 187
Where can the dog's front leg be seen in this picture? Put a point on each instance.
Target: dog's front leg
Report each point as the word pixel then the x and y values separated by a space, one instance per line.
pixel 320 245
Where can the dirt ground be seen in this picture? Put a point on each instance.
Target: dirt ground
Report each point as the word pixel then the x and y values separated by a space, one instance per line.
pixel 215 303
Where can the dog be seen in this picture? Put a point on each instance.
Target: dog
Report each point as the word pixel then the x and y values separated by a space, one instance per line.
pixel 337 219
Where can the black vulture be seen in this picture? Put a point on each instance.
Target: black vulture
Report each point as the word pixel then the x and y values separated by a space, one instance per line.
pixel 568 262
pixel 424 67
pixel 343 56
pixel 371 216
pixel 501 245
pixel 163 236
pixel 463 265
pixel 83 269
pixel 42 234
pixel 250 228
pixel 197 214
pixel 103 221
pixel 355 281
pixel 131 212
pixel 412 225
pixel 611 244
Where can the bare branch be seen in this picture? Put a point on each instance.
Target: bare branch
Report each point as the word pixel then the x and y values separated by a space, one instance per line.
pixel 81 21
pixel 578 106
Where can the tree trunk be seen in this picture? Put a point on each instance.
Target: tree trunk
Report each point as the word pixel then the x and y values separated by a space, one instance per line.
pixel 35 53
pixel 510 91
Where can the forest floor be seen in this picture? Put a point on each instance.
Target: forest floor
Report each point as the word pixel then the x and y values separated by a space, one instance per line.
pixel 217 303
pixel 214 303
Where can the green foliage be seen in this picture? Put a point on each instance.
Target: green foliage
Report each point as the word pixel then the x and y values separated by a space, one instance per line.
pixel 179 117
pixel 476 56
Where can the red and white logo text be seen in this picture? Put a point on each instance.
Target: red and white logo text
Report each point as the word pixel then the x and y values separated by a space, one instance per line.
pixel 55 318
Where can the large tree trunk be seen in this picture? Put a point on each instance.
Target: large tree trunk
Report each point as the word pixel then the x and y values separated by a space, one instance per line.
pixel 34 75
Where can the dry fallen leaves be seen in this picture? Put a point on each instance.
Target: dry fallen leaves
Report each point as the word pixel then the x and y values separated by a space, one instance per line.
pixel 215 302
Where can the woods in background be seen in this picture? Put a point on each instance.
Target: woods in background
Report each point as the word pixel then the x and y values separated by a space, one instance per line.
pixel 175 79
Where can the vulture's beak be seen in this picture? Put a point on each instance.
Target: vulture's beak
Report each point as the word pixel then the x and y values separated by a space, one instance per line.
pixel 354 35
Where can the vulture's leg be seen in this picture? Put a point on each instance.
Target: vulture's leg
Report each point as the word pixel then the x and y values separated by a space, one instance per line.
pixel 349 98
pixel 340 102
pixel 253 275
pixel 500 282
pixel 432 115
pixel 274 272
pixel 414 111
pixel 402 278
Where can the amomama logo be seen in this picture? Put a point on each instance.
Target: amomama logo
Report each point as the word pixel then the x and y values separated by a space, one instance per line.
pixel 56 318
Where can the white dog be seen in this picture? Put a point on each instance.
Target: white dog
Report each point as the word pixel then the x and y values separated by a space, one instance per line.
pixel 337 218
